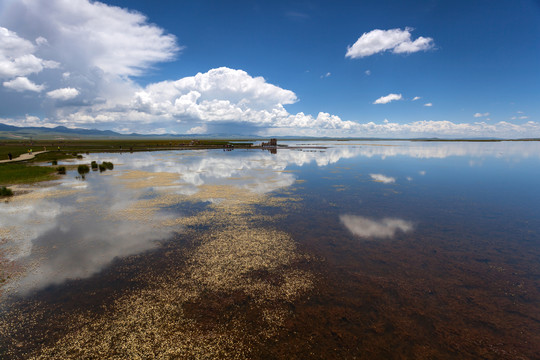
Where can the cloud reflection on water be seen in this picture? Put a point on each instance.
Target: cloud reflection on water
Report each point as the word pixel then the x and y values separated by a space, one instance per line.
pixel 438 149
pixel 76 234
pixel 382 178
pixel 23 222
pixel 369 228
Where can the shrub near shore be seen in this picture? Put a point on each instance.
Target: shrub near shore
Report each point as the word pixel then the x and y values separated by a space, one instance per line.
pixel 4 191
pixel 106 166
pixel 83 169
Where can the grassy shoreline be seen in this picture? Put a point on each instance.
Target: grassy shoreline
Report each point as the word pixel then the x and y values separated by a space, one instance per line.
pixel 24 172
pixel 20 173
pixel 18 147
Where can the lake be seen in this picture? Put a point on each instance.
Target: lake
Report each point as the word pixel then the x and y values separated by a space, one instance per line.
pixel 322 250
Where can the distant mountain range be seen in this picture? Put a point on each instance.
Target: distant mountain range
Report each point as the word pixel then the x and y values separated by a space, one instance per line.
pixel 62 132
pixel 59 132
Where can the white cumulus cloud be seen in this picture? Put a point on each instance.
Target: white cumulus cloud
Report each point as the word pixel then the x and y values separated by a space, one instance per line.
pixel 17 57
pixel 41 41
pixel 388 98
pixel 198 130
pixel 115 40
pixel 63 94
pixel 99 48
pixel 369 228
pixel 416 98
pixel 228 95
pixel 22 83
pixel 428 104
pixel 222 99
pixel 217 90
pixel 479 115
pixel 397 40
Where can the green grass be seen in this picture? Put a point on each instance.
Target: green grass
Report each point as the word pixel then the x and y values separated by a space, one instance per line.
pixel 69 147
pixel 51 156
pixel 13 148
pixel 18 173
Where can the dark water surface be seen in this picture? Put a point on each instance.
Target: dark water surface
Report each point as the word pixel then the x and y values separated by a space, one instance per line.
pixel 358 250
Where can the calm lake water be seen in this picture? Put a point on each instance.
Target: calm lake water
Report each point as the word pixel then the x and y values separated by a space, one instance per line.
pixel 325 250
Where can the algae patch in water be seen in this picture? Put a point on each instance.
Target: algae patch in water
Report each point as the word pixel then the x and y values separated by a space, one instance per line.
pixel 240 259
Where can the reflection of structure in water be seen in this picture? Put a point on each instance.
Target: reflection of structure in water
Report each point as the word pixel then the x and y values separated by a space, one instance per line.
pixel 228 147
pixel 271 146
pixel 272 142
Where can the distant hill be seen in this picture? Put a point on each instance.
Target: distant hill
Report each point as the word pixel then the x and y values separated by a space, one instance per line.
pixel 59 132
pixel 62 132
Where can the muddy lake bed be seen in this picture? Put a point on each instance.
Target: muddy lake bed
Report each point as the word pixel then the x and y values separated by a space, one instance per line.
pixel 326 250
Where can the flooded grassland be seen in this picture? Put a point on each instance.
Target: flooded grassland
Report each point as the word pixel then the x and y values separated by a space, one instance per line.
pixel 360 250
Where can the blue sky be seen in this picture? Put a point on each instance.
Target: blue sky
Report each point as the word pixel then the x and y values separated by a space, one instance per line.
pixel 344 68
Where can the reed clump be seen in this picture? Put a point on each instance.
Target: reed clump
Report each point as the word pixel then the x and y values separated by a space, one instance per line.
pixel 4 191
pixel 106 165
pixel 83 169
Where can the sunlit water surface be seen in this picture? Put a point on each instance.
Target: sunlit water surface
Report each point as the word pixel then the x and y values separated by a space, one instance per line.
pixel 324 250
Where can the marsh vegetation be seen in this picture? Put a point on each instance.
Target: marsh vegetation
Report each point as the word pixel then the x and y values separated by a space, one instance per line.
pixel 19 173
pixel 4 191
pixel 16 173
pixel 83 170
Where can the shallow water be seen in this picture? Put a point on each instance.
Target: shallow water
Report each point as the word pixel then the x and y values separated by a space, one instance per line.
pixel 349 249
